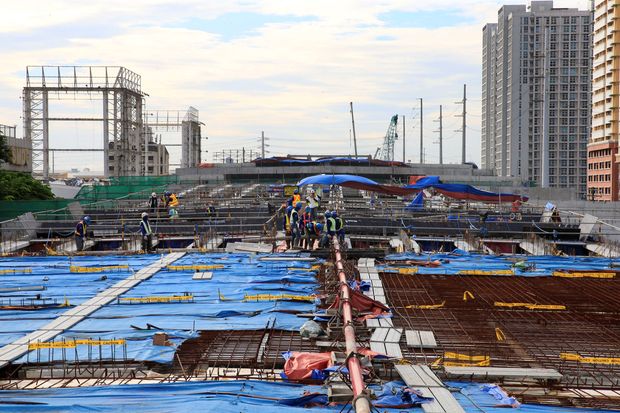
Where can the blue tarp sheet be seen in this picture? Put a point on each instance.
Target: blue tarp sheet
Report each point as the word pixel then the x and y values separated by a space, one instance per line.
pixel 53 273
pixel 544 265
pixel 474 398
pixel 242 275
pixel 226 397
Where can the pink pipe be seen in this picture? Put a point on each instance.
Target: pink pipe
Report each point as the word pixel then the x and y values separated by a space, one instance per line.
pixel 360 403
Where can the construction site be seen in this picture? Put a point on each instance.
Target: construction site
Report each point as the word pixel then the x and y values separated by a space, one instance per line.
pixel 442 289
pixel 446 303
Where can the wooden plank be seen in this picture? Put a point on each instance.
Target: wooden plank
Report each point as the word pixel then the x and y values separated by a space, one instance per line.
pixel 394 335
pixel 507 372
pixel 393 350
pixel 202 275
pixel 379 334
pixel 446 400
pixel 428 339
pixel 413 338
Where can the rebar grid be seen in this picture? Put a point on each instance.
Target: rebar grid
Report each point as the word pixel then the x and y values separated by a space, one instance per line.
pixel 533 338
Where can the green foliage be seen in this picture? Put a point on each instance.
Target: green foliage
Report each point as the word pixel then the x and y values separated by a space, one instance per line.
pixel 17 185
pixel 5 152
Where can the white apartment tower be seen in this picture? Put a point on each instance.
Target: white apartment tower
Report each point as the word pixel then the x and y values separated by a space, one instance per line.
pixel 536 82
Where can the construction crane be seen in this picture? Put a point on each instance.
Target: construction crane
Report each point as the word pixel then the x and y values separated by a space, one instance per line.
pixel 386 152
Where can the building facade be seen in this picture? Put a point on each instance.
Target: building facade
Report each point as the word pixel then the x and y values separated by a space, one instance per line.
pixel 21 151
pixel 536 94
pixel 603 147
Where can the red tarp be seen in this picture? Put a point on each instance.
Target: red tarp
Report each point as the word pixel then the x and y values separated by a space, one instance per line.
pixel 299 365
pixel 362 303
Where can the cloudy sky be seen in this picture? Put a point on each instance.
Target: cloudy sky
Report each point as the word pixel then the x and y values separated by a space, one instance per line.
pixel 289 68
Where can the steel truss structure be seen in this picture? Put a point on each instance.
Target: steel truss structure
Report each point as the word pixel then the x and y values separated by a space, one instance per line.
pixel 122 105
pixel 188 122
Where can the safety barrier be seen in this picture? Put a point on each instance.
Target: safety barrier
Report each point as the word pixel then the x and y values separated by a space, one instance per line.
pixel 593 274
pixel 590 360
pixel 74 343
pixel 157 299
pixel 530 306
pixel 427 306
pixel 486 272
pixel 74 268
pixel 17 271
pixel 194 267
pixel 279 297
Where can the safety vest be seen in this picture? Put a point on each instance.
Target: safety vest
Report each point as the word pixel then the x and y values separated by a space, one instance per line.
pixel 173 201
pixel 312 202
pixel 296 199
pixel 296 220
pixel 339 224
pixel 83 225
pixel 146 227
pixel 331 225
pixel 287 222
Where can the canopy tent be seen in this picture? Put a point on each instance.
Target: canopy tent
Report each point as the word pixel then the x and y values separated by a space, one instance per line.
pixel 456 191
pixel 356 182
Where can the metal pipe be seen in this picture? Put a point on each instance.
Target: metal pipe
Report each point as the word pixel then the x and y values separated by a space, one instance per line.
pixel 360 402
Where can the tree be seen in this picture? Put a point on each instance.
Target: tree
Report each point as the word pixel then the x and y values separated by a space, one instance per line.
pixel 20 186
pixel 5 151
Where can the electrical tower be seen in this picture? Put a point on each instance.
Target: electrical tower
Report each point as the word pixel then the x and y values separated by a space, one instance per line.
pixel 386 152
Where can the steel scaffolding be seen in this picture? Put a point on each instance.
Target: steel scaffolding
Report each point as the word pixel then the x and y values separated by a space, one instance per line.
pixel 122 98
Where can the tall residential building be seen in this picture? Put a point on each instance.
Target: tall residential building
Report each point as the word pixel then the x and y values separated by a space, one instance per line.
pixel 536 94
pixel 603 148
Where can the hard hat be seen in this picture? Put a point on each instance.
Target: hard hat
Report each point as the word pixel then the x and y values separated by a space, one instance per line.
pixel 328 214
pixel 334 214
pixel 153 194
pixel 319 226
pixel 144 214
pixel 312 191
pixel 296 191
pixel 87 219
pixel 289 209
pixel 167 193
pixel 298 205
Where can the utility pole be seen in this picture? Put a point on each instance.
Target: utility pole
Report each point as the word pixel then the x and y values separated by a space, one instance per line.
pixel 353 125
pixel 440 120
pixel 404 139
pixel 463 129
pixel 262 140
pixel 421 130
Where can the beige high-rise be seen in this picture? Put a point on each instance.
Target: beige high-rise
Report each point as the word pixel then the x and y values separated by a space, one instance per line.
pixel 603 147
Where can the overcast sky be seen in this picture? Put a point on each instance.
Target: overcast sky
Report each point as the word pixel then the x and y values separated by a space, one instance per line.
pixel 289 68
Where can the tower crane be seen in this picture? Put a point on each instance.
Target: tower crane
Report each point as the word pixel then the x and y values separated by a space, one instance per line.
pixel 386 152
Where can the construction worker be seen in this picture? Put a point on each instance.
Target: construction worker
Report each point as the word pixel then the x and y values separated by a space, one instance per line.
pixel 293 200
pixel 295 222
pixel 339 227
pixel 313 202
pixel 313 232
pixel 166 198
pixel 147 233
pixel 305 219
pixel 330 224
pixel 174 201
pixel 153 203
pixel 81 232
pixel 287 225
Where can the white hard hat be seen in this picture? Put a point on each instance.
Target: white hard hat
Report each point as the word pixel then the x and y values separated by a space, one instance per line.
pixel 312 191
pixel 153 194
pixel 144 214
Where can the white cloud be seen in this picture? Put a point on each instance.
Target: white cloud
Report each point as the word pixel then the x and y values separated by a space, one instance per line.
pixel 293 80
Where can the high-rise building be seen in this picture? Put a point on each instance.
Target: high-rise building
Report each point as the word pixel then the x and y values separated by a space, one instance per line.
pixel 603 147
pixel 536 94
